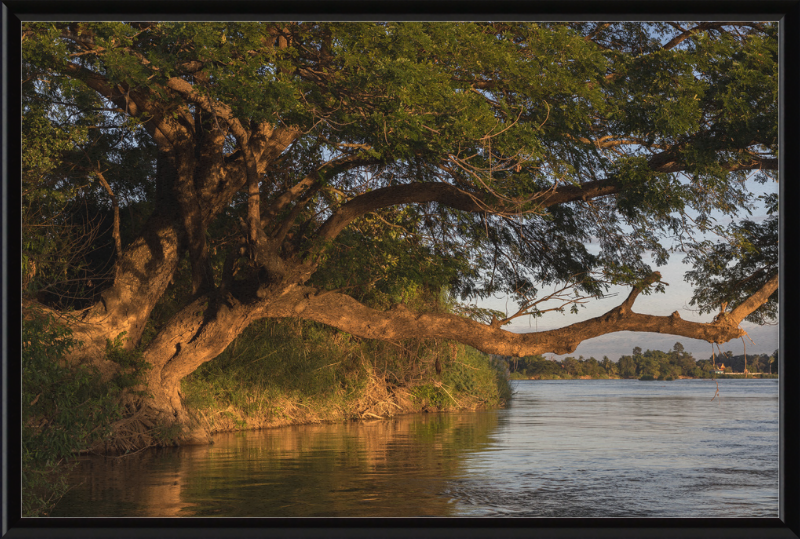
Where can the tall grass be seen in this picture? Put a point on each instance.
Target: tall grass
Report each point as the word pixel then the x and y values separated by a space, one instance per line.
pixel 282 372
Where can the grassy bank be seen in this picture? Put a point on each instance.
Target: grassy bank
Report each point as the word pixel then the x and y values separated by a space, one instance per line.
pixel 291 372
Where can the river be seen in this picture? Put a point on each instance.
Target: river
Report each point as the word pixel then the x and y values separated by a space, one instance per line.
pixel 582 448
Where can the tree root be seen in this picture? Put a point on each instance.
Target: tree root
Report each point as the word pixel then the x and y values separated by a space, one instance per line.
pixel 144 426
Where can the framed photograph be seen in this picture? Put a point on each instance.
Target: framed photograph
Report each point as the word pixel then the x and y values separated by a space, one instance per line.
pixel 405 268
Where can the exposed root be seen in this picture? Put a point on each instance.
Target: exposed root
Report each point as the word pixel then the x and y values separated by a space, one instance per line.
pixel 143 426
pixel 135 431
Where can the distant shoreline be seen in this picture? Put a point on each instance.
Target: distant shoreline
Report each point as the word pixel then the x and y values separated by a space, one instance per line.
pixel 729 376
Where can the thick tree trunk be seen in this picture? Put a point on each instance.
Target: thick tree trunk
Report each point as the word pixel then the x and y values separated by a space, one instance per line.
pixel 199 333
pixel 191 190
pixel 143 273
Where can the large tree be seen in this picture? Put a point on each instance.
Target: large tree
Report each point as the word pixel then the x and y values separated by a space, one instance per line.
pixel 296 165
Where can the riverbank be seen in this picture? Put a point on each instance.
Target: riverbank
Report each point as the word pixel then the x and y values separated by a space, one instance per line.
pixel 290 373
pixel 651 456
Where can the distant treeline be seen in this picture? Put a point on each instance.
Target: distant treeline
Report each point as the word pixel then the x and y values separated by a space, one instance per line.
pixel 653 364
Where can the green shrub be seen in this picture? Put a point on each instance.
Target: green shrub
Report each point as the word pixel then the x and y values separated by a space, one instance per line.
pixel 430 396
pixel 64 410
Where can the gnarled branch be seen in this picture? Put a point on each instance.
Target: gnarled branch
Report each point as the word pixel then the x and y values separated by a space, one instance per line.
pixel 347 314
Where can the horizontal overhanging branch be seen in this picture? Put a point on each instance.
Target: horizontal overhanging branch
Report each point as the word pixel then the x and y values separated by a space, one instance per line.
pixel 347 314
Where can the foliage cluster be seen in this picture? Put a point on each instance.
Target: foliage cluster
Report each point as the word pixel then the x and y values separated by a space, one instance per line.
pixel 70 138
pixel 677 362
pixel 754 363
pixel 662 365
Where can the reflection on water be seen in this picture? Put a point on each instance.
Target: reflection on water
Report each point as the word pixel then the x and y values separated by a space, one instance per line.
pixel 380 468
pixel 564 448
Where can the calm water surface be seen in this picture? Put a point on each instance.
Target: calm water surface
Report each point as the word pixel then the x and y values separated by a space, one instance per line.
pixel 583 448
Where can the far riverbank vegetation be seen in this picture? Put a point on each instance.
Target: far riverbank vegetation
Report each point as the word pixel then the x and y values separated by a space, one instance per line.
pixel 648 365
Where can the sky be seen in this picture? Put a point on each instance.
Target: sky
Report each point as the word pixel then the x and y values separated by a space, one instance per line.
pixel 677 297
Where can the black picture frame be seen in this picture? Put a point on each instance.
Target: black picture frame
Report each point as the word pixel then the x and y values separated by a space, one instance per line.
pixel 787 525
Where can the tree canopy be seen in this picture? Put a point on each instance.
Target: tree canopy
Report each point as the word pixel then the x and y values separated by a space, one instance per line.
pixel 317 170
